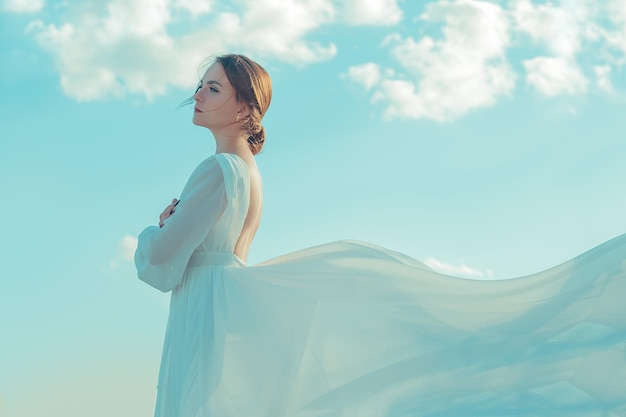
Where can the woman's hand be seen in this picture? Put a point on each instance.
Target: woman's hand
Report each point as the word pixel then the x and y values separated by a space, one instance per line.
pixel 169 210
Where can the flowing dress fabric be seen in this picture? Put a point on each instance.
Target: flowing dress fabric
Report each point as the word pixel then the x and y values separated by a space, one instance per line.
pixel 354 330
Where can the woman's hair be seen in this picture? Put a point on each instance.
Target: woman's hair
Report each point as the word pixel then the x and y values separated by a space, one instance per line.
pixel 253 88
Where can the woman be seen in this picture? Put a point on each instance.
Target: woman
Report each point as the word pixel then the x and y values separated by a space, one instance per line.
pixel 350 329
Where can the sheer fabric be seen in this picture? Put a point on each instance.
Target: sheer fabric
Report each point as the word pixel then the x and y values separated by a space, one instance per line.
pixel 352 329
pixel 209 216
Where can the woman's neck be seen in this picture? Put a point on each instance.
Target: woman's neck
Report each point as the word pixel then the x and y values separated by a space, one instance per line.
pixel 232 142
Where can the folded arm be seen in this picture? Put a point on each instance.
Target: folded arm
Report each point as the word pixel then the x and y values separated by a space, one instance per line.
pixel 163 252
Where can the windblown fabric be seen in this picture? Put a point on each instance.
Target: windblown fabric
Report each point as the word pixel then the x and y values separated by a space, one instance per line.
pixel 349 329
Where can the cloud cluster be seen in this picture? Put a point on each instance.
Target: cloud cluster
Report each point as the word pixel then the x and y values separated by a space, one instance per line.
pixel 467 67
pixel 124 49
pixel 460 61
pixel 561 31
pixel 112 48
pixel 276 29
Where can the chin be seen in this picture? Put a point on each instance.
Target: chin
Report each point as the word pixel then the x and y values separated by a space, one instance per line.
pixel 199 123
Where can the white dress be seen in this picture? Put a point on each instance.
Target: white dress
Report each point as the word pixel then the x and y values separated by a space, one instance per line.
pixel 354 330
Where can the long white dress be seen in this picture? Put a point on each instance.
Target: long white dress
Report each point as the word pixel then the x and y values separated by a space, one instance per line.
pixel 354 330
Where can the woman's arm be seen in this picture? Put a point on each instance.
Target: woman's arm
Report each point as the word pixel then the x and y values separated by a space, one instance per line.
pixel 163 252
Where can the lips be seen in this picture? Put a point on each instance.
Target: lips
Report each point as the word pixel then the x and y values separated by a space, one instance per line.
pixel 196 110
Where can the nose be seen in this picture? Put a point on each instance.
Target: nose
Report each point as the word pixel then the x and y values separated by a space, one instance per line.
pixel 198 96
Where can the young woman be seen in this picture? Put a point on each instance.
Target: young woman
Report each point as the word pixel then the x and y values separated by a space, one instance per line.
pixel 351 329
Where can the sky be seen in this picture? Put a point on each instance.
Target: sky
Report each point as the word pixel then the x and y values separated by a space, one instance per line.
pixel 484 138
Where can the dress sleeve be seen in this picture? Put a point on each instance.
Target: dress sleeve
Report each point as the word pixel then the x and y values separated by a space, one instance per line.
pixel 163 253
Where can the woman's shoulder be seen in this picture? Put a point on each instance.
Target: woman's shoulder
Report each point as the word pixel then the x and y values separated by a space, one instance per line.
pixel 231 170
pixel 235 171
pixel 233 164
pixel 225 162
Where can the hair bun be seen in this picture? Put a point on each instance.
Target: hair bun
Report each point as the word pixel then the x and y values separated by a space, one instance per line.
pixel 257 139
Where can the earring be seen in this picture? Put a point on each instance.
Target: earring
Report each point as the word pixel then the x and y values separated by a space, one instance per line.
pixel 237 117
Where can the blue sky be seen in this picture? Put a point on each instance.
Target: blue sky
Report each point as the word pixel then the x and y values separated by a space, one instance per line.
pixel 485 138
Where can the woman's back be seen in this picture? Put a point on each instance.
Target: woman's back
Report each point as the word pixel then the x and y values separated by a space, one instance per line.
pixel 255 208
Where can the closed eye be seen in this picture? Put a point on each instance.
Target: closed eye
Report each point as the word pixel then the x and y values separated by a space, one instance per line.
pixel 211 83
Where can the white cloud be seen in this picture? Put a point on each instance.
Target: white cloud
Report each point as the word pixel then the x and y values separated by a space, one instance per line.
pixel 603 78
pixel 276 28
pixel 445 77
pixel 128 48
pixel 125 251
pixel 569 29
pixel 142 18
pixel 616 10
pixel 23 6
pixel 554 76
pixel 559 28
pixel 464 71
pixel 195 7
pixel 118 47
pixel 457 270
pixel 125 50
pixel 371 12
pixel 367 75
pixel 127 247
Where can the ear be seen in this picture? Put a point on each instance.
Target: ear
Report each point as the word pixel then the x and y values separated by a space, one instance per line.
pixel 243 110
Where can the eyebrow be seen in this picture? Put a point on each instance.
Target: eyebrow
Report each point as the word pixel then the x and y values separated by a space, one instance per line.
pixel 214 82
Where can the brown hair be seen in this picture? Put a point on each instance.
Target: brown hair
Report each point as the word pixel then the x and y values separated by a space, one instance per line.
pixel 253 88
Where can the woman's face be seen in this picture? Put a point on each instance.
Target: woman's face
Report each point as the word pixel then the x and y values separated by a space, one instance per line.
pixel 216 104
